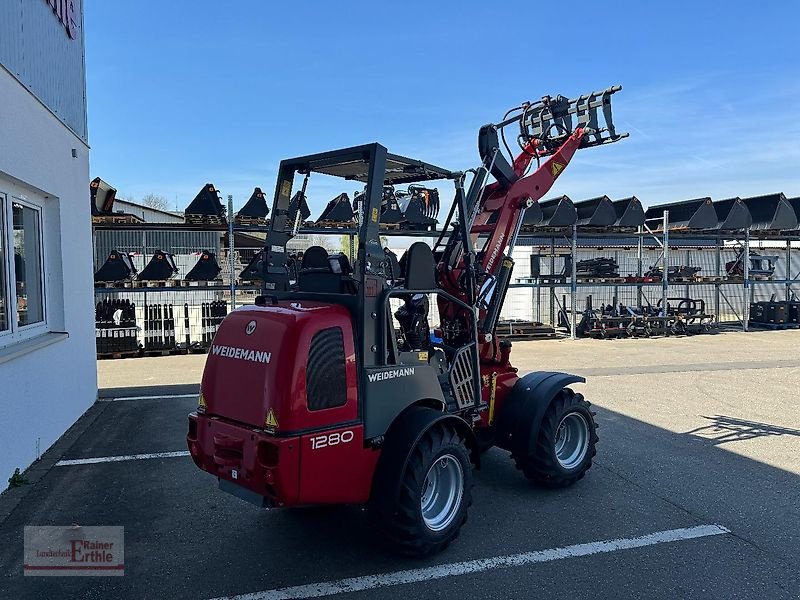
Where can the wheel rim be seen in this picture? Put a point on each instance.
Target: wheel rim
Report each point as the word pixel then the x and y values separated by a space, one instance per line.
pixel 442 492
pixel 572 440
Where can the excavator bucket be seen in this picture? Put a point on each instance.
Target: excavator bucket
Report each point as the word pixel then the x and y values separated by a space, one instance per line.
pixel 532 217
pixel 421 207
pixel 255 210
pixel 160 268
pixel 102 196
pixel 558 212
pixel 298 204
pixel 254 271
pixel 596 212
pixel 390 207
pixel 552 120
pixel 629 212
pixel 206 207
pixel 689 214
pixel 795 202
pixel 118 267
pixel 733 214
pixel 206 268
pixel 771 212
pixel 338 210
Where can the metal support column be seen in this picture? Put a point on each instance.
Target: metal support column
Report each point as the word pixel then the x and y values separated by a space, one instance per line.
pixel 231 262
pixel 746 288
pixel 639 264
pixel 553 321
pixel 574 284
pixel 788 270
pixel 717 265
pixel 665 264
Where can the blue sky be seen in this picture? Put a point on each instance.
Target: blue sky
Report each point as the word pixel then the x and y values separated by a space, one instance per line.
pixel 181 93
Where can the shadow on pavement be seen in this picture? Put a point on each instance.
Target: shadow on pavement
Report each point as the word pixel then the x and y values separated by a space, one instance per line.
pixel 186 539
pixel 730 429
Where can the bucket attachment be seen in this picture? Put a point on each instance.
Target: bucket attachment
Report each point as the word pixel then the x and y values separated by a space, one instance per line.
pixel 733 214
pixel 206 208
pixel 558 212
pixel 102 196
pixel 533 216
pixel 795 202
pixel 338 210
pixel 421 207
pixel 118 267
pixel 553 119
pixel 771 212
pixel 689 214
pixel 596 212
pixel 255 210
pixel 297 204
pixel 160 268
pixel 761 265
pixel 629 212
pixel 254 271
pixel 206 268
pixel 390 207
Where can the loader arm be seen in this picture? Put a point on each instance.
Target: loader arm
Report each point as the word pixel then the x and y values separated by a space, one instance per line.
pixel 476 267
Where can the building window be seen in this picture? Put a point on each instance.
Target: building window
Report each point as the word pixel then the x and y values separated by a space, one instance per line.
pixel 22 293
pixel 28 264
pixel 5 313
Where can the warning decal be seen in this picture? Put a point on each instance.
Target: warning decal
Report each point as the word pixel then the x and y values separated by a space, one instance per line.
pixel 271 421
pixel 556 168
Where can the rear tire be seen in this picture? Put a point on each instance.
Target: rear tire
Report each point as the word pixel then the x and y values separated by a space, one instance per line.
pixel 566 444
pixel 435 494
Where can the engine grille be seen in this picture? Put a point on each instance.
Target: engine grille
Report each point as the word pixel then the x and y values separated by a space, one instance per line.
pixel 326 384
pixel 462 377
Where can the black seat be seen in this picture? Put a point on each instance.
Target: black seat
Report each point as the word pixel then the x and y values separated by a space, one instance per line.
pixel 419 267
pixel 316 257
pixel 323 273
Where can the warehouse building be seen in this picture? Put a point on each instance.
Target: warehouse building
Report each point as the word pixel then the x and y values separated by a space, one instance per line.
pixel 47 365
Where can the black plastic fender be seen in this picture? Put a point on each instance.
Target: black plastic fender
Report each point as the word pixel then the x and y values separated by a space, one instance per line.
pixel 399 442
pixel 519 420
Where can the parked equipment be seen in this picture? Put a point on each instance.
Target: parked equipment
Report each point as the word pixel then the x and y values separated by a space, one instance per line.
pixel 160 268
pixel 115 327
pixel 420 206
pixel 255 210
pixel 761 265
pixel 254 270
pixel 676 272
pixel 338 210
pixel 596 268
pixel 206 208
pixel 205 269
pixel 683 316
pixel 117 268
pixel 311 397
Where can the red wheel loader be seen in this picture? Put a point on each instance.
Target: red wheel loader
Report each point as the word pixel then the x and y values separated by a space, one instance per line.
pixel 335 388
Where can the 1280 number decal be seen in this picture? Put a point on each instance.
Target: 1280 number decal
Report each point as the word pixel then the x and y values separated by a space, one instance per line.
pixel 331 439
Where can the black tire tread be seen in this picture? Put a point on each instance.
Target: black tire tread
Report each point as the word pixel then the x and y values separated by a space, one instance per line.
pixel 404 530
pixel 541 467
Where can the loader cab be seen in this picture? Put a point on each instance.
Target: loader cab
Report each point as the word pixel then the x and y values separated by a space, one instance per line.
pixel 390 298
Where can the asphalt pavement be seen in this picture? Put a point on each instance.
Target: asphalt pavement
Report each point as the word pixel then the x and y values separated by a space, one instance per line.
pixel 694 494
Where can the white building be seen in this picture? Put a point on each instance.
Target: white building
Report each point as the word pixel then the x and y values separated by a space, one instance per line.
pixel 47 357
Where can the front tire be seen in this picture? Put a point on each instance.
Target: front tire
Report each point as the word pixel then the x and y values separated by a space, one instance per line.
pixel 435 494
pixel 566 443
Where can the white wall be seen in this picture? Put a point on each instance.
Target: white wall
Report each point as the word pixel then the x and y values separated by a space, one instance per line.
pixel 44 391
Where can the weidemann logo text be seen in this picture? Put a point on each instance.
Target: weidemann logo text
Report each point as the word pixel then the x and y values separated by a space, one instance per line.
pixel 381 375
pixel 242 353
